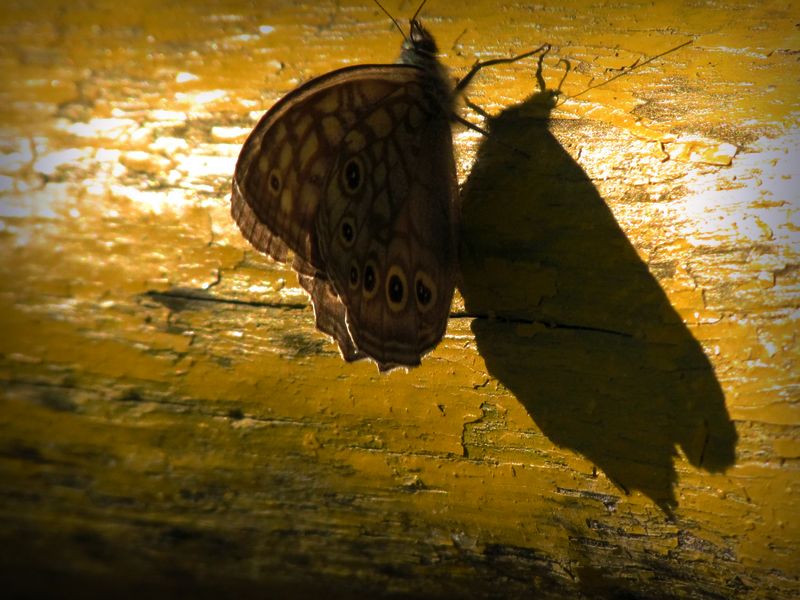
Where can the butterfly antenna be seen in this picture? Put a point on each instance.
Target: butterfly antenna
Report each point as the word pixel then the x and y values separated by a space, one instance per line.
pixel 419 9
pixel 626 70
pixel 396 24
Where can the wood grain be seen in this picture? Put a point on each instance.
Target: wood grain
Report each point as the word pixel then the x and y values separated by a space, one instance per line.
pixel 613 411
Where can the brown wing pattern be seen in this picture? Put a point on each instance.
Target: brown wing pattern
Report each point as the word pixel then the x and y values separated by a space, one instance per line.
pixel 281 170
pixel 353 174
pixel 387 226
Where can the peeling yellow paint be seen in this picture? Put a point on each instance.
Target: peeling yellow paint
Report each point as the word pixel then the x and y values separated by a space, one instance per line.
pixel 615 401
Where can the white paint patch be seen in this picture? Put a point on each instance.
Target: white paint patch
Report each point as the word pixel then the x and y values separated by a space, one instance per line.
pixel 201 97
pixel 110 128
pixel 226 134
pixel 185 76
pixel 756 199
pixel 51 162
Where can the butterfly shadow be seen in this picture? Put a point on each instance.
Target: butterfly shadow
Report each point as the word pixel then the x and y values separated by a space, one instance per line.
pixel 572 322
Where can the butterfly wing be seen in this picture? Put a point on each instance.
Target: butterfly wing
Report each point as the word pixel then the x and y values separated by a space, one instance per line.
pixel 387 227
pixel 330 314
pixel 280 174
pixel 382 128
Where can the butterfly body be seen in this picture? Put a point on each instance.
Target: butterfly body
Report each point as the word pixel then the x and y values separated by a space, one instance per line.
pixel 353 174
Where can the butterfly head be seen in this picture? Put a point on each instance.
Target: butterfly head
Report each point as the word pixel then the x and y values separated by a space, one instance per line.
pixel 420 39
pixel 419 47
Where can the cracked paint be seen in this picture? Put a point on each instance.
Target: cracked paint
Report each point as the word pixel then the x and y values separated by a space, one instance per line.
pixel 614 403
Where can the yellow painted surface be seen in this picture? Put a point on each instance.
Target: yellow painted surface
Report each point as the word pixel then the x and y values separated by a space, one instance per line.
pixel 614 408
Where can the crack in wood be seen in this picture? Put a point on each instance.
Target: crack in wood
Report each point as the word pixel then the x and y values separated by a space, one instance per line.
pixel 177 299
pixel 547 324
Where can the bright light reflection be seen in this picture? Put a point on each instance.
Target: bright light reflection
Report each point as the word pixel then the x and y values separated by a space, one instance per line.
pixel 183 77
pixel 756 200
pixel 104 128
pixel 201 97
pixel 157 202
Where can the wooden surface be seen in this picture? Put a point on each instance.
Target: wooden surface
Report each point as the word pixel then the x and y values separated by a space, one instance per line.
pixel 613 412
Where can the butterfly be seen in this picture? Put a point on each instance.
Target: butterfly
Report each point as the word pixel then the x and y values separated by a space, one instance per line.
pixel 352 178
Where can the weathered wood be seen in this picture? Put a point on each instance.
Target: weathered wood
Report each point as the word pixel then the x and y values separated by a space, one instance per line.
pixel 614 409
